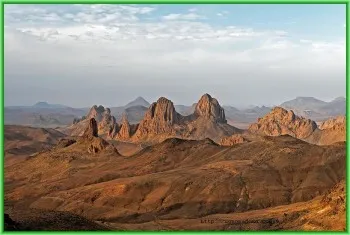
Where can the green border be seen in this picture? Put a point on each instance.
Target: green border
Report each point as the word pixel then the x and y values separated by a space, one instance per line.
pixel 2 98
pixel 175 1
pixel 347 114
pixel 2 141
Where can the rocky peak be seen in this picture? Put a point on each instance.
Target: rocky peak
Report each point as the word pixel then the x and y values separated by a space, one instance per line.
pixel 92 129
pixel 124 132
pixel 209 107
pixel 159 119
pixel 139 101
pixel 107 118
pixel 283 122
pixel 163 110
pixel 96 112
pixel 281 114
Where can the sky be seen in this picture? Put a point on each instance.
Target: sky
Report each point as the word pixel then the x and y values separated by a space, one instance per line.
pixel 80 55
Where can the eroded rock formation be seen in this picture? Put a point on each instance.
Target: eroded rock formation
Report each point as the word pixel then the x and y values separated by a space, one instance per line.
pixel 92 129
pixel 159 119
pixel 210 108
pixel 283 122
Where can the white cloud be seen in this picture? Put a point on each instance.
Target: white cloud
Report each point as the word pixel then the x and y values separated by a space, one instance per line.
pixel 305 41
pixel 189 16
pixel 32 14
pixel 116 45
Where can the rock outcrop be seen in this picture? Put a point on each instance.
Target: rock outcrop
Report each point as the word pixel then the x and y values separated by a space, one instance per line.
pixel 162 111
pixel 92 129
pixel 125 131
pixel 95 143
pixel 282 122
pixel 330 132
pixel 113 131
pixel 210 108
pixel 159 119
pixel 96 112
pixel 107 122
pixel 338 123
pixel 232 140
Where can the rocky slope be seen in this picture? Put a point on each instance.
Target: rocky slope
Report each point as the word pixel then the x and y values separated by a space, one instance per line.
pixel 175 180
pixel 22 141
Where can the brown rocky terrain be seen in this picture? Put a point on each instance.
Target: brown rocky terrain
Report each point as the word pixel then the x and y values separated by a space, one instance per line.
pixel 22 141
pixel 323 213
pixel 166 174
pixel 173 181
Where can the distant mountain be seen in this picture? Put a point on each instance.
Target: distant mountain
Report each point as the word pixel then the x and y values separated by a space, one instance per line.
pixel 303 103
pixel 139 101
pixel 134 114
pixel 42 114
pixel 43 104
pixel 39 105
pixel 230 108
pixel 184 109
pixel 339 99
pixel 242 117
pixel 316 109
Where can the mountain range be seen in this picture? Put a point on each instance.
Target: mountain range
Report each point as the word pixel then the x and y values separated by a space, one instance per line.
pixel 43 114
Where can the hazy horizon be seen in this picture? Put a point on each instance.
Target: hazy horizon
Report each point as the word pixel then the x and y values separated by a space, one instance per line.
pixel 151 101
pixel 80 55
